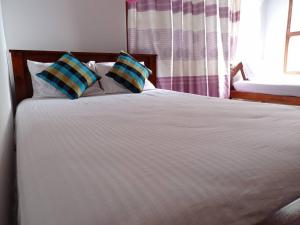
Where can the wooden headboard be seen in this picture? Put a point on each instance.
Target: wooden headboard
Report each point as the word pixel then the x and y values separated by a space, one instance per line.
pixel 22 79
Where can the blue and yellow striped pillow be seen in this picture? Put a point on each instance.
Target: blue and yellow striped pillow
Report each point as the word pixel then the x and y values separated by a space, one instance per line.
pixel 129 72
pixel 69 76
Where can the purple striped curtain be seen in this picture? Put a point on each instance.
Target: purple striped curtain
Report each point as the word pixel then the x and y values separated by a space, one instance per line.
pixel 194 39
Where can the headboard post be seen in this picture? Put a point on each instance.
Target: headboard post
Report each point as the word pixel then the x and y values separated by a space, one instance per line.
pixel 153 66
pixel 23 85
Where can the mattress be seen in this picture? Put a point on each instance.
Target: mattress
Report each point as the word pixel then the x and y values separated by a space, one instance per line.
pixel 283 88
pixel 157 158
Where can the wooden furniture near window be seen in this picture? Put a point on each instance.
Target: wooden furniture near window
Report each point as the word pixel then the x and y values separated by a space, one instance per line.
pixel 291 62
pixel 258 97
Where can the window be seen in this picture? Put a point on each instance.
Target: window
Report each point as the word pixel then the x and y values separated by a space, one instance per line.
pixel 292 45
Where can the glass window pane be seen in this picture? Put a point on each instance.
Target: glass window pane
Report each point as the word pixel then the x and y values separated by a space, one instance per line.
pixel 295 23
pixel 294 54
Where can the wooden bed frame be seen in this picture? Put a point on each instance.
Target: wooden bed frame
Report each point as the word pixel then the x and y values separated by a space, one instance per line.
pixel 258 97
pixel 22 78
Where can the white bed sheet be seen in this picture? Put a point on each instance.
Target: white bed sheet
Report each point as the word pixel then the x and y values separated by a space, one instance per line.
pixel 283 88
pixel 155 158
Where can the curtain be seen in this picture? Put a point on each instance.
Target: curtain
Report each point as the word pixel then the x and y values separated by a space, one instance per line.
pixel 195 41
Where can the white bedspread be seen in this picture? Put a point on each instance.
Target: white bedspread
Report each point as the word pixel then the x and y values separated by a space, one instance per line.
pixel 275 87
pixel 158 158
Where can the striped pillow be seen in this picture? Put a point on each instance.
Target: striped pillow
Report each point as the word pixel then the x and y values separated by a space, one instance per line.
pixel 69 76
pixel 129 73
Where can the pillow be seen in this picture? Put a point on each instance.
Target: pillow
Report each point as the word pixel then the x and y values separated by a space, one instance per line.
pixel 112 87
pixel 129 73
pixel 67 76
pixel 42 89
pixel 95 89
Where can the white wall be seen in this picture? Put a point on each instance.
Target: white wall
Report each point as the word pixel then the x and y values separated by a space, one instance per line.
pixel 6 150
pixel 262 36
pixel 251 29
pixel 277 14
pixel 77 25
pixel 252 33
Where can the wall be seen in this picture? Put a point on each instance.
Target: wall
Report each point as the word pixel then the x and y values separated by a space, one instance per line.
pixel 6 150
pixel 277 14
pixel 251 29
pixel 252 34
pixel 262 37
pixel 77 25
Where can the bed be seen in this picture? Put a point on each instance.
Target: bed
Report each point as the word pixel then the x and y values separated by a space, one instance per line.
pixel 282 92
pixel 156 158
pixel 279 88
